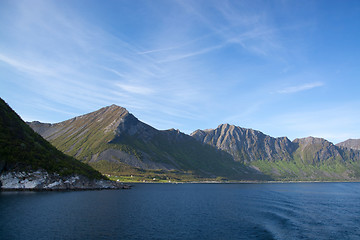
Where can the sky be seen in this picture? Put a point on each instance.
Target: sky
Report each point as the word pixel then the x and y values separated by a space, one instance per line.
pixel 286 68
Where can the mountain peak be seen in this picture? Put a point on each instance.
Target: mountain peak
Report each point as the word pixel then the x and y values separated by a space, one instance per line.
pixel 112 112
pixel 350 143
pixel 311 140
pixel 114 106
pixel 224 125
pixel 245 144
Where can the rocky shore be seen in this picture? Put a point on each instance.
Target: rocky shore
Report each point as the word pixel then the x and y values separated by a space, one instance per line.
pixel 44 181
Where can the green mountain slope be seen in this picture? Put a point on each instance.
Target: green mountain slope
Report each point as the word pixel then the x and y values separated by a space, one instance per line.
pixel 115 142
pixel 303 159
pixel 21 149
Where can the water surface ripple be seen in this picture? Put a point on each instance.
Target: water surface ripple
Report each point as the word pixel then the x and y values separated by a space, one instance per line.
pixel 186 211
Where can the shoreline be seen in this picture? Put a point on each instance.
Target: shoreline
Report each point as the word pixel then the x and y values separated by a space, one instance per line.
pixel 125 186
pixel 242 182
pixel 128 185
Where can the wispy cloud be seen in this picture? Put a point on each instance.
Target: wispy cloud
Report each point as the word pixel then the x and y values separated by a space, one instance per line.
pixel 205 60
pixel 159 50
pixel 24 66
pixel 135 89
pixel 251 31
pixel 80 66
pixel 299 88
pixel 192 54
pixel 191 42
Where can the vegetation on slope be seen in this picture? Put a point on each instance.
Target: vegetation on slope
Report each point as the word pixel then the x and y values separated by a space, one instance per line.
pixel 314 159
pixel 115 142
pixel 86 135
pixel 176 148
pixel 21 149
pixel 302 159
pixel 100 138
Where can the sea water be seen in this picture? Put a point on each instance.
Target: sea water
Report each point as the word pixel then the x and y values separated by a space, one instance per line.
pixel 186 211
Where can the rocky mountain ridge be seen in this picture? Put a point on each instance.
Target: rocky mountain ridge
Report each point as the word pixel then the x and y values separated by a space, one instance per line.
pixel 246 144
pixel 350 143
pixel 112 139
pixel 303 158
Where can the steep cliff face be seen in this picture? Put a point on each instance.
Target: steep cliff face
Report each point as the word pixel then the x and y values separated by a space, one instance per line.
pixel 246 145
pixel 350 143
pixel 318 150
pixel 303 159
pixel 113 140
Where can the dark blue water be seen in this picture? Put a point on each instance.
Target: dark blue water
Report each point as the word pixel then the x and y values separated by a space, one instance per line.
pixel 186 211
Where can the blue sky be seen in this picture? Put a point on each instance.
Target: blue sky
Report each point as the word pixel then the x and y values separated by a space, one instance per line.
pixel 286 68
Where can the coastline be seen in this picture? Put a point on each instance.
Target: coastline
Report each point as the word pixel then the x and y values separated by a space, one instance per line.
pixel 124 186
pixel 243 182
pixel 43 181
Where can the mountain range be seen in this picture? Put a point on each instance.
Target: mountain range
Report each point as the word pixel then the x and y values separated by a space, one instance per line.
pixel 114 141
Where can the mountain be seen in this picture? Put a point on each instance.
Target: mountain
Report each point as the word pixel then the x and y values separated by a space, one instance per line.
pixel 246 145
pixel 350 143
pixel 114 141
pixel 317 150
pixel 29 161
pixel 302 159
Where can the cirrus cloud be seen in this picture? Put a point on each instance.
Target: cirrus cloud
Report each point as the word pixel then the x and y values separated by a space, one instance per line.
pixel 300 88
